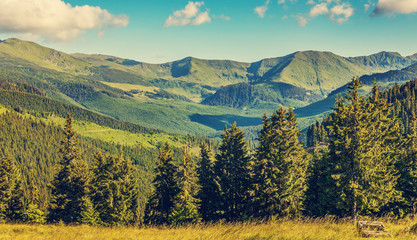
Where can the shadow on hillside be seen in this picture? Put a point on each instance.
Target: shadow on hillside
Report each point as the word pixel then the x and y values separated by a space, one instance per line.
pixel 219 121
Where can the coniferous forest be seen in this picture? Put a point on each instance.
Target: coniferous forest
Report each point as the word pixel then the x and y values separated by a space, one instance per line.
pixel 360 161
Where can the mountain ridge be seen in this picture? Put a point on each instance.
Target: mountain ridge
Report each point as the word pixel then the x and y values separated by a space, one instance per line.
pixel 145 93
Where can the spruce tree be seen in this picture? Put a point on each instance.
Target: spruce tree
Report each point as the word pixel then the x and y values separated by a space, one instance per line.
pixel 89 215
pixel 161 202
pixel 33 212
pixel 114 191
pixel 185 208
pixel 6 186
pixel 34 215
pixel 206 179
pixel 16 204
pixel 11 193
pixel 280 168
pixel 265 195
pixel 232 168
pixel 361 147
pixel 70 186
pixel 295 182
pixel 321 191
pixel 407 166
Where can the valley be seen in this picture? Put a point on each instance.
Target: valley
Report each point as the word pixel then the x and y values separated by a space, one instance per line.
pixel 131 110
pixel 198 96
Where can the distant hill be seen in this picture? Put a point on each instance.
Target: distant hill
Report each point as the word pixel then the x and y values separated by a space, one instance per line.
pixel 402 99
pixel 260 95
pixel 175 96
pixel 384 61
pixel 404 74
pixel 385 80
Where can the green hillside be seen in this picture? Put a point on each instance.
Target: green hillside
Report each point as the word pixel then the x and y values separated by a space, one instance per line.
pixel 384 61
pixel 30 53
pixel 33 139
pixel 404 74
pixel 385 81
pixel 168 96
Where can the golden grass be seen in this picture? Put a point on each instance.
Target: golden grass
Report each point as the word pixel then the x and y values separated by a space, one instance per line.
pixel 291 230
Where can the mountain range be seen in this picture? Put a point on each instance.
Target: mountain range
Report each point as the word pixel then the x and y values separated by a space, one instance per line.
pixel 193 95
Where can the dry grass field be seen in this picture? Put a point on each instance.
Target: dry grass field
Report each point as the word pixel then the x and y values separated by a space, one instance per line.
pixel 282 230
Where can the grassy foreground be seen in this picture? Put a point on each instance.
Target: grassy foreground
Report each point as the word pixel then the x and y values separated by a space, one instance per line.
pixel 316 229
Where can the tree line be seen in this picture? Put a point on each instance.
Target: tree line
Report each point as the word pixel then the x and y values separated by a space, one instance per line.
pixel 103 194
pixel 367 168
pixel 234 186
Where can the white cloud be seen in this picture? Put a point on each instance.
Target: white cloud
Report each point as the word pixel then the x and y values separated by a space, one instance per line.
pixel 331 1
pixel 301 21
pixel 319 9
pixel 223 17
pixel 368 5
pixel 190 15
pixel 262 9
pixel 54 20
pixel 341 13
pixel 384 7
pixel 281 1
pixel 310 2
pixel 335 10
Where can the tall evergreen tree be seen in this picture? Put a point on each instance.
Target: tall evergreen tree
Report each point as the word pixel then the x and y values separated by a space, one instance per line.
pixel 11 193
pixel 16 203
pixel 6 186
pixel 280 168
pixel 33 213
pixel 70 187
pixel 407 166
pixel 265 195
pixel 185 209
pixel 114 190
pixel 161 201
pixel 233 172
pixel 321 190
pixel 207 181
pixel 361 147
pixel 298 159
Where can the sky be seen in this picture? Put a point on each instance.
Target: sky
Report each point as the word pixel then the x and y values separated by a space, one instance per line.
pixel 158 31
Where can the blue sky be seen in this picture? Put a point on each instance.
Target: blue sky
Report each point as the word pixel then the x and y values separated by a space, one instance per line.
pixel 158 31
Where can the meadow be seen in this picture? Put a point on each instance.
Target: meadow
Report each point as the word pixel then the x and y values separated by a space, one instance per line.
pixel 289 229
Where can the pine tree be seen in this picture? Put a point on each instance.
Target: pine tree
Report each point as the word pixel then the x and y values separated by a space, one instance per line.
pixel 233 172
pixel 298 159
pixel 321 190
pixel 280 168
pixel 185 208
pixel 265 195
pixel 71 185
pixel 209 186
pixel 361 147
pixel 11 193
pixel 407 166
pixel 6 185
pixel 34 215
pixel 16 204
pixel 114 191
pixel 161 201
pixel 89 215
